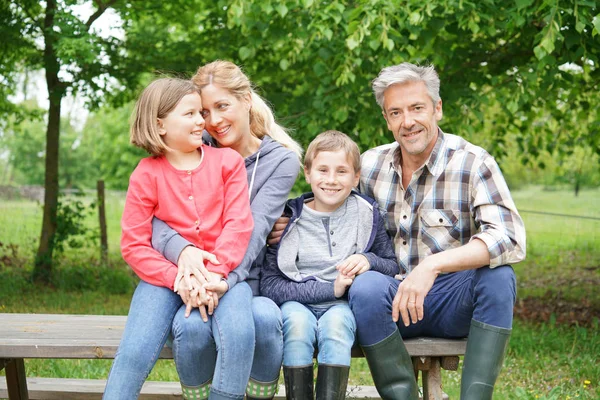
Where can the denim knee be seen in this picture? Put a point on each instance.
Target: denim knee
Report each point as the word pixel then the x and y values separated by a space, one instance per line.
pixel 370 298
pixel 336 332
pixel 495 295
pixel 192 331
pixel 268 351
pixel 367 290
pixel 299 334
pixel 267 320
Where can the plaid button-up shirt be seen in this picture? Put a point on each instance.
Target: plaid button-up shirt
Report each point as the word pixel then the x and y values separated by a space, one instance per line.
pixel 458 195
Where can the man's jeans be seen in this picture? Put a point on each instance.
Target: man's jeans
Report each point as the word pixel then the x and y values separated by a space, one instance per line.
pixel 305 327
pixel 148 326
pixel 223 349
pixel 484 294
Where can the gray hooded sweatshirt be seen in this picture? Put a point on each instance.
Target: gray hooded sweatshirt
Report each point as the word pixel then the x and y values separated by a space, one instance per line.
pixel 272 171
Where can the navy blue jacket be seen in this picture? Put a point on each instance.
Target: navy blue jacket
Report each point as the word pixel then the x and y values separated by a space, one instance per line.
pixel 281 283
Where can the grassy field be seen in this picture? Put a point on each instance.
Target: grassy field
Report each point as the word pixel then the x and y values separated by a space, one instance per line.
pixel 547 358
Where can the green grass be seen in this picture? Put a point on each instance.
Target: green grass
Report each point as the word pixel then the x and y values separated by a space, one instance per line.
pixel 545 360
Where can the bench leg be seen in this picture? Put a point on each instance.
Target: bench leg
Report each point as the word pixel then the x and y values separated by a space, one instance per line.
pixel 432 381
pixel 16 380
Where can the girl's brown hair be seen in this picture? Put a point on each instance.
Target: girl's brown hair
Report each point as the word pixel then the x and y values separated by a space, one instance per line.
pixel 157 100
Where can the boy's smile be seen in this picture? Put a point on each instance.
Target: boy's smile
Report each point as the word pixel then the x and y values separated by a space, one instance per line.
pixel 331 178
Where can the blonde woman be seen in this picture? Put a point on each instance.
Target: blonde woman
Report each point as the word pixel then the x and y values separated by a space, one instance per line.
pixel 208 349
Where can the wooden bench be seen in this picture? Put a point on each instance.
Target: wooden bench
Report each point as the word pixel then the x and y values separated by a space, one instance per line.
pixel 97 337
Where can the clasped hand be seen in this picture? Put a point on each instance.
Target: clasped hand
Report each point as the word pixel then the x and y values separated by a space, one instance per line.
pixel 198 287
pixel 354 265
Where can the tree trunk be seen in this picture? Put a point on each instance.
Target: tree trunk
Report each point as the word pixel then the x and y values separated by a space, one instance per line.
pixel 43 259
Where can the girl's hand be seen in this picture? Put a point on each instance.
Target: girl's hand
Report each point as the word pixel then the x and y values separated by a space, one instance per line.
pixel 354 265
pixel 195 297
pixel 191 262
pixel 216 287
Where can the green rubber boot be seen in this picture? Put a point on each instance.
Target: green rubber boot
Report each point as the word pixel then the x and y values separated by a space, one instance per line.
pixel 298 382
pixel 332 381
pixel 392 369
pixel 486 347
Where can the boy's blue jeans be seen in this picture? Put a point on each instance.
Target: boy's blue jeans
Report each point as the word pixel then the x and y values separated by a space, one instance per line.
pixel 331 329
pixel 485 294
pixel 148 327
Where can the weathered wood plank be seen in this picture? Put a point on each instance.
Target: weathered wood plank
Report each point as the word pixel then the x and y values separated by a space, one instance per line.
pixel 91 389
pixel 98 336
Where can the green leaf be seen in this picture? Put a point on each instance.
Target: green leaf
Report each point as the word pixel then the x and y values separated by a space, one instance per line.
pixel 352 43
pixel 282 10
pixel 596 22
pixel 473 26
pixel 374 44
pixel 341 114
pixel 328 33
pixel 415 18
pixel 307 3
pixel 389 44
pixel 548 44
pixel 245 52
pixel 539 52
pixel 284 64
pixel 521 4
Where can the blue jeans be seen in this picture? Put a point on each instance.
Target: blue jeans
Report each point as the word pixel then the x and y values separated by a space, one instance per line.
pixel 221 349
pixel 305 327
pixel 485 294
pixel 148 326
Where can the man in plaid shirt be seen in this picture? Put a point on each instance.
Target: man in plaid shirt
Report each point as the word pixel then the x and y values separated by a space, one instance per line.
pixel 455 229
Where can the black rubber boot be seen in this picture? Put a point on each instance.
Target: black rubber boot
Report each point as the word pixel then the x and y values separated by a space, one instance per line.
pixel 332 381
pixel 298 382
pixel 486 347
pixel 392 369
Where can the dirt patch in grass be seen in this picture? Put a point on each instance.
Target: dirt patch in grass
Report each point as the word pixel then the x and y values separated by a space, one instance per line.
pixel 554 307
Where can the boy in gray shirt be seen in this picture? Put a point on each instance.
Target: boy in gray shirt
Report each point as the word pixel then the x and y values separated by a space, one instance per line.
pixel 333 234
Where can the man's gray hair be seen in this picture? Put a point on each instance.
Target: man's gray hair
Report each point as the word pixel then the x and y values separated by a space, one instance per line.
pixel 407 72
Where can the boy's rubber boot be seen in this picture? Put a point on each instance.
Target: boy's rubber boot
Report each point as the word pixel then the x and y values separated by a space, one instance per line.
pixel 486 347
pixel 298 382
pixel 392 369
pixel 332 381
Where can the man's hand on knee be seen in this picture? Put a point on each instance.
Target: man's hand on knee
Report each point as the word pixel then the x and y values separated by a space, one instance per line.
pixel 409 299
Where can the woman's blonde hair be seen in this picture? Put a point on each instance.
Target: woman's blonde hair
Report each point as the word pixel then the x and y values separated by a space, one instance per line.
pixel 262 121
pixel 157 100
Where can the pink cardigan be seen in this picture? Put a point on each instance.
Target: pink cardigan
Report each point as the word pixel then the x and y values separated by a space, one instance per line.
pixel 208 206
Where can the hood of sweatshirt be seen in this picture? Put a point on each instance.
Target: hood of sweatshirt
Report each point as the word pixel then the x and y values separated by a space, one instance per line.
pixel 259 166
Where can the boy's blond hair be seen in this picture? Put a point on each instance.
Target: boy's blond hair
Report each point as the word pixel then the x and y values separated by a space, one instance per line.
pixel 157 100
pixel 333 141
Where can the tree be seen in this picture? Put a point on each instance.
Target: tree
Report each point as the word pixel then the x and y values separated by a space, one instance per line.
pixel 533 62
pixel 48 35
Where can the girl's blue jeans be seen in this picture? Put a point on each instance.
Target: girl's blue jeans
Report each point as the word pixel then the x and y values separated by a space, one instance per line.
pixel 148 327
pixel 485 294
pixel 331 329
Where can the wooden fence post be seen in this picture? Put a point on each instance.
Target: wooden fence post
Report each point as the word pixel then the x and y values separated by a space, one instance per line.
pixel 102 217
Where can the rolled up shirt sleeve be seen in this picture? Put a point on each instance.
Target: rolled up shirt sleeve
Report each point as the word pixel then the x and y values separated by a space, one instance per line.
pixel 499 223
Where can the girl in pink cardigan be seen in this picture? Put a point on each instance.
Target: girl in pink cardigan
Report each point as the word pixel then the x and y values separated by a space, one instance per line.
pixel 200 191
